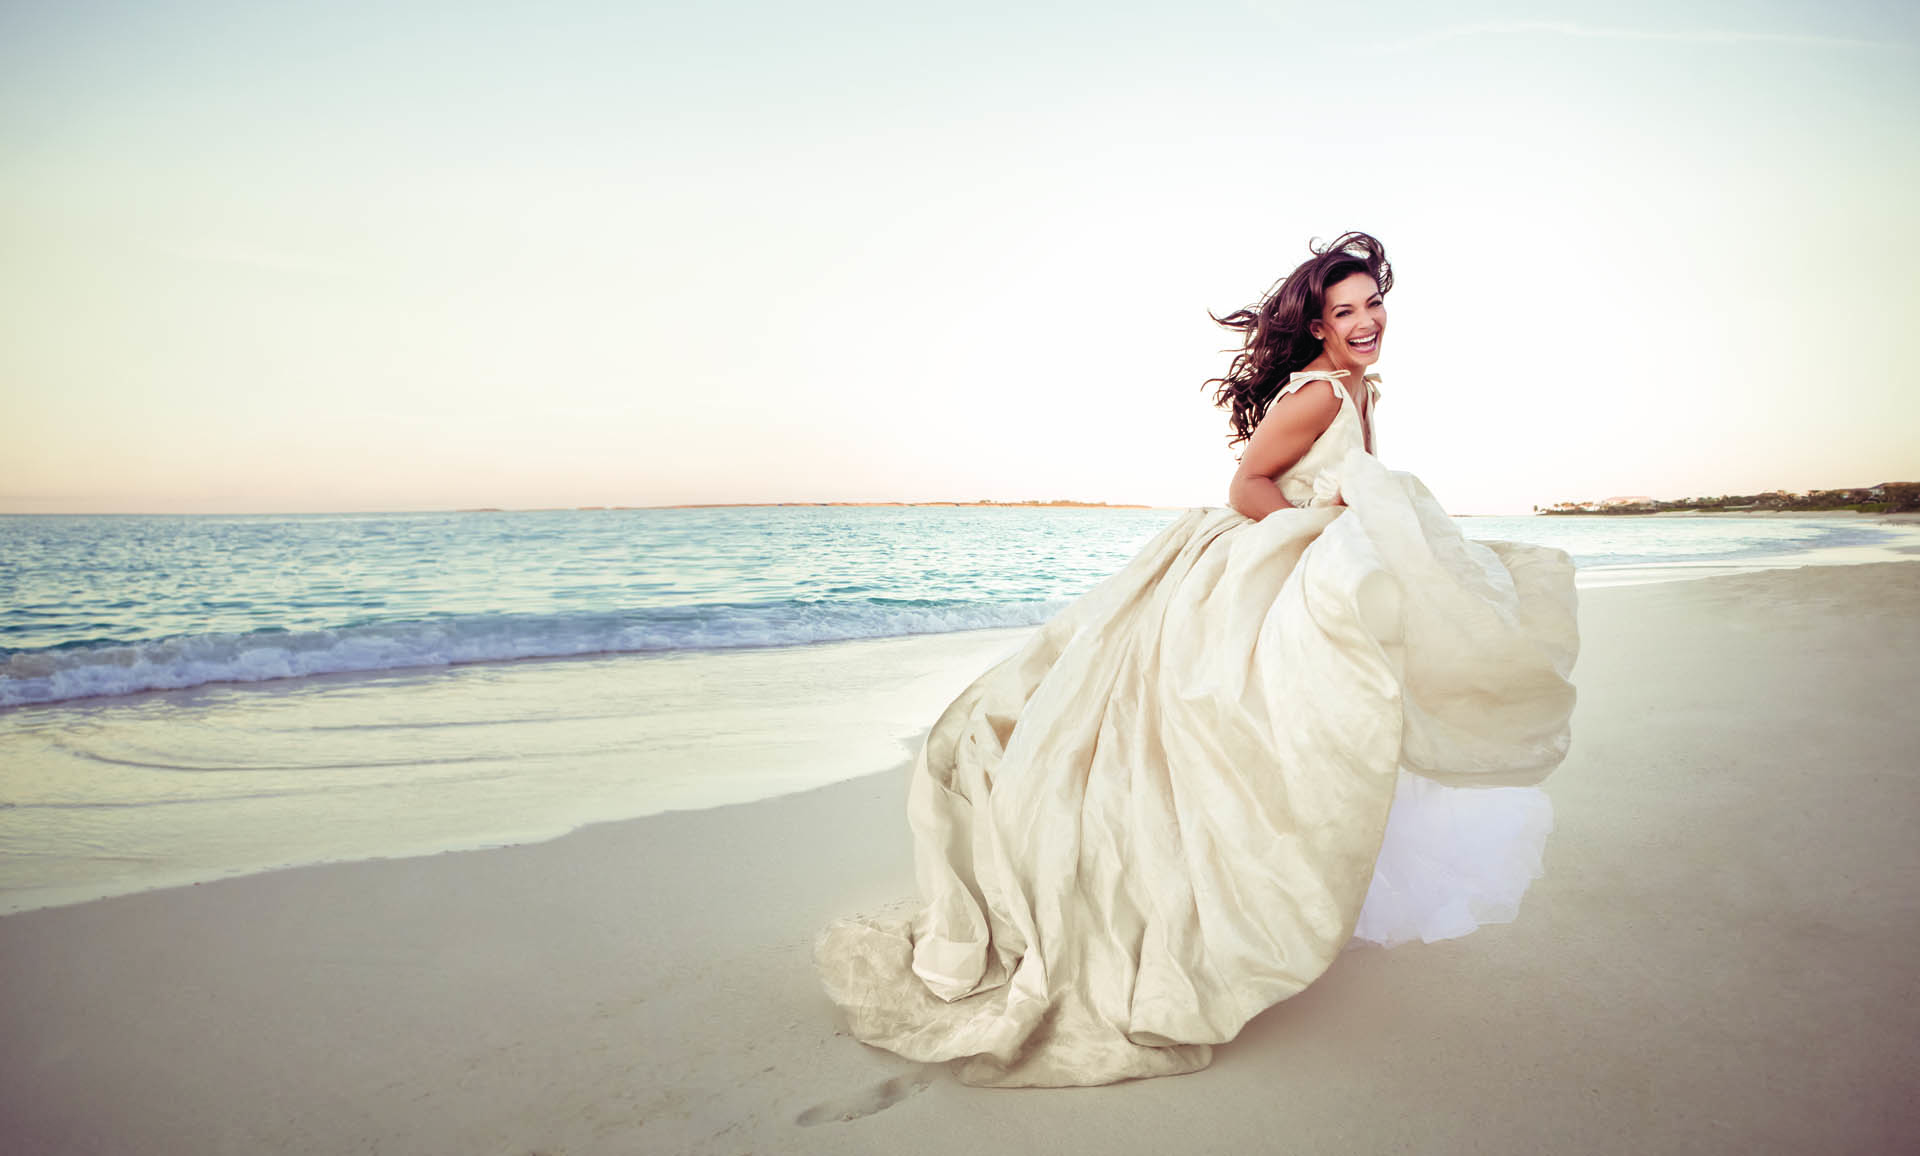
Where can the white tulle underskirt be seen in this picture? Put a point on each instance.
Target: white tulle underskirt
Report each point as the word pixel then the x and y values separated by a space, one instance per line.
pixel 1453 858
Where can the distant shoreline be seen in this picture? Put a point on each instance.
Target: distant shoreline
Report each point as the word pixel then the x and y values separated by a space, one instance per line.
pixel 1893 516
pixel 1885 498
pixel 1027 505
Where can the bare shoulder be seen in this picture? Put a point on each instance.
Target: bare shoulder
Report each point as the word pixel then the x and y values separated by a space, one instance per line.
pixel 1313 406
pixel 1312 395
pixel 1290 427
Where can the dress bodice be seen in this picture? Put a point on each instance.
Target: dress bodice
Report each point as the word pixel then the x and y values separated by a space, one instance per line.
pixel 1314 480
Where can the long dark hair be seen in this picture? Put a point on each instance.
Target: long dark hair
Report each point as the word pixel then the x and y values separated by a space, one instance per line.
pixel 1277 341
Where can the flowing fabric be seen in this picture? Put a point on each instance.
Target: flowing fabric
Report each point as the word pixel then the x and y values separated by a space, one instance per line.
pixel 1168 809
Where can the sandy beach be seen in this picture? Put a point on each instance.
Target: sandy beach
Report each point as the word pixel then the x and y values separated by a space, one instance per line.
pixel 1720 958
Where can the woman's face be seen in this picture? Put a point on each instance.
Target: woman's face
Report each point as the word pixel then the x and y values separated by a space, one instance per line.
pixel 1353 320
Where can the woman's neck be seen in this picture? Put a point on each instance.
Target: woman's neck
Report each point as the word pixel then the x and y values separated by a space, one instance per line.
pixel 1328 361
pixel 1356 379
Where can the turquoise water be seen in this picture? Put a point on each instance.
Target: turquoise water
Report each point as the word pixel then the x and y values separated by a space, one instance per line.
pixel 107 605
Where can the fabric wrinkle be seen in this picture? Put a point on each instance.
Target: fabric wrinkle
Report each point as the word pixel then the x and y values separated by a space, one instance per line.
pixel 1254 746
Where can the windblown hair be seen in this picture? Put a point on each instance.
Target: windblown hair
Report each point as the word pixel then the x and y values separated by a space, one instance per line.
pixel 1277 342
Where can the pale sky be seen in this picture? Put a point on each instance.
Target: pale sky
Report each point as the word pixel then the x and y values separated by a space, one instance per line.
pixel 379 255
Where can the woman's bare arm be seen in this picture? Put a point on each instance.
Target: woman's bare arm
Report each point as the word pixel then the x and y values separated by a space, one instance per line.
pixel 1282 438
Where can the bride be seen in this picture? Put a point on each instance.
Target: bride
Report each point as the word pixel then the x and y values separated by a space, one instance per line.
pixel 1309 720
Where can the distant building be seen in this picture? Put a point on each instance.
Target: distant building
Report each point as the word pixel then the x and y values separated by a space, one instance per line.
pixel 1609 502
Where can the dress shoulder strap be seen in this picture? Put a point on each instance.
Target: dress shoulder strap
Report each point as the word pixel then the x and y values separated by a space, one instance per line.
pixel 1305 377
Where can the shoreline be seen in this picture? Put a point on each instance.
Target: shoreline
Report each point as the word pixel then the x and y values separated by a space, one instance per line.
pixel 1058 504
pixel 410 762
pixel 670 732
pixel 1907 516
pixel 1734 818
pixel 1031 504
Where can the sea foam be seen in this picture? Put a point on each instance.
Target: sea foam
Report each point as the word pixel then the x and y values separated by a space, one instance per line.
pixel 88 670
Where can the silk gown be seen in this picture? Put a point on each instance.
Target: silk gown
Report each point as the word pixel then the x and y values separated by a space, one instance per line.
pixel 1255 745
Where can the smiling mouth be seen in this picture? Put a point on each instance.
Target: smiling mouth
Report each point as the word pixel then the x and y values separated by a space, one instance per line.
pixel 1367 346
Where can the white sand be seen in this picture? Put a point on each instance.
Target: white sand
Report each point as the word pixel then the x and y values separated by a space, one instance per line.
pixel 1720 958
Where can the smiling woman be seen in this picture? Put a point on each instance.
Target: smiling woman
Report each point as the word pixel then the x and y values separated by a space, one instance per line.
pixel 1289 328
pixel 1310 720
pixel 1328 316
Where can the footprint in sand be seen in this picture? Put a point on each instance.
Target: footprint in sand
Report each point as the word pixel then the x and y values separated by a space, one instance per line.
pixel 878 1098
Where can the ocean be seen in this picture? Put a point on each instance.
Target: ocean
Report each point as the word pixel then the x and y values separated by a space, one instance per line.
pixel 185 698
pixel 111 604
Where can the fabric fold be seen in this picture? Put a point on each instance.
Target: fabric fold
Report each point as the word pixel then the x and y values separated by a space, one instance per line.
pixel 1164 813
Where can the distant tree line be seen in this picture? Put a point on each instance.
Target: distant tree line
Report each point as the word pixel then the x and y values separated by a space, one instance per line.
pixel 1885 498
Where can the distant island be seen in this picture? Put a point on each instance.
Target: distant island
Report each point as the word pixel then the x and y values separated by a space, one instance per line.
pixel 1885 498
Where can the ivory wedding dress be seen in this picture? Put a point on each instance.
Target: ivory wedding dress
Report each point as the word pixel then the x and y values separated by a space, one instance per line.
pixel 1184 795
